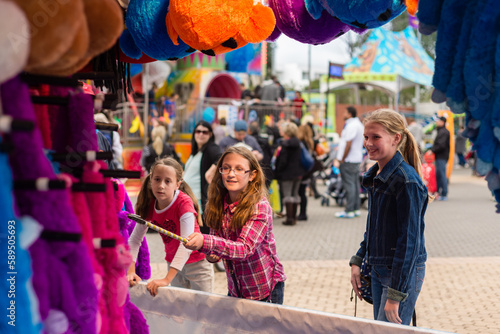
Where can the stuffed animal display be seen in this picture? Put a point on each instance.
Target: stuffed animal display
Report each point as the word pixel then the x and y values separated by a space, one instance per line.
pixel 62 270
pixel 146 32
pixel 218 26
pixel 467 73
pixel 293 20
pixel 364 14
pixel 66 35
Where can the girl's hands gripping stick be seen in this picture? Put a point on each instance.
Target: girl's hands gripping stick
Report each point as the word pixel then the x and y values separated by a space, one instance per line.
pixel 158 229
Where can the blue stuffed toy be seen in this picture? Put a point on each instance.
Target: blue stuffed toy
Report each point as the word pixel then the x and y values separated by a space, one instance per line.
pixel 147 32
pixel 496 105
pixel 429 15
pixel 455 93
pixel 364 14
pixel 467 70
pixel 480 61
pixel 446 46
pixel 20 290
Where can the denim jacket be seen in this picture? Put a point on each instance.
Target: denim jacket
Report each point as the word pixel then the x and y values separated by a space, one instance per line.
pixel 394 237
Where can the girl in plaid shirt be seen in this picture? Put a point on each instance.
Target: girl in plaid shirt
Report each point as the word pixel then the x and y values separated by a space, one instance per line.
pixel 241 229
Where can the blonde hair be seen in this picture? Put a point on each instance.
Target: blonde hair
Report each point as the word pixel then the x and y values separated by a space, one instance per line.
pixel 305 134
pixel 251 195
pixel 158 135
pixel 146 196
pixel 289 129
pixel 394 124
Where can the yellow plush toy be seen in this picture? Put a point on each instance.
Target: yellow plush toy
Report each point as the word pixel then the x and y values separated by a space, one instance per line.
pixel 219 26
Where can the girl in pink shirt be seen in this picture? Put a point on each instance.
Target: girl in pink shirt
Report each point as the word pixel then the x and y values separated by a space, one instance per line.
pixel 241 229
pixel 168 202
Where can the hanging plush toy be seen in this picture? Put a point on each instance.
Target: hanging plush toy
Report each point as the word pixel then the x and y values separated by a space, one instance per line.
pixel 411 6
pixel 12 22
pixel 146 32
pixel 294 20
pixel 446 46
pixel 62 271
pixel 66 35
pixel 429 15
pixel 19 236
pixel 364 14
pixel 52 38
pixel 218 26
pixel 455 93
pixel 480 60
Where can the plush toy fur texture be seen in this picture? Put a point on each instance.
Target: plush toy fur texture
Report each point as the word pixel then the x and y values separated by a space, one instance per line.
pixel 218 26
pixel 68 34
pixel 455 93
pixel 429 15
pixel 411 6
pixel 471 86
pixel 12 22
pixel 53 26
pixel 61 264
pixel 146 32
pixel 358 13
pixel 26 324
pixel 480 60
pixel 446 45
pixel 124 207
pixel 274 35
pixel 293 19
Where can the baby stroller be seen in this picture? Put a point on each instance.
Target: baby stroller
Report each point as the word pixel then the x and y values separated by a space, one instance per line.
pixel 334 190
pixel 337 192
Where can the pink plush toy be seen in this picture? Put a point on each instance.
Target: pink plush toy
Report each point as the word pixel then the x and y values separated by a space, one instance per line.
pixel 60 259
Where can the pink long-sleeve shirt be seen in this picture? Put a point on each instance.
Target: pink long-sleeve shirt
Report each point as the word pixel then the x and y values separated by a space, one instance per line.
pixel 250 252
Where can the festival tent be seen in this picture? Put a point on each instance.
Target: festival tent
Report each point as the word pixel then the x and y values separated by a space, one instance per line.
pixel 390 61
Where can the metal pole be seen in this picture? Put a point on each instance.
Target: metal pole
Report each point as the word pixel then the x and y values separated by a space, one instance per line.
pixel 309 74
pixel 145 73
pixel 326 104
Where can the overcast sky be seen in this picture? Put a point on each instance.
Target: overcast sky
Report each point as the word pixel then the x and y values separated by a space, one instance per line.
pixel 291 51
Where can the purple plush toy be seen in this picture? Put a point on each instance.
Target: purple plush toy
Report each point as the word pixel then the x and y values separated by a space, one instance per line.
pixel 62 272
pixel 293 19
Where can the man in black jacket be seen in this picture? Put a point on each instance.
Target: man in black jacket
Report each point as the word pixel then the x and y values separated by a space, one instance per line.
pixel 441 150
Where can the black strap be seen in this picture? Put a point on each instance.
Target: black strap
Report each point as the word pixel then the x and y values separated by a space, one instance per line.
pixel 235 280
pixel 60 236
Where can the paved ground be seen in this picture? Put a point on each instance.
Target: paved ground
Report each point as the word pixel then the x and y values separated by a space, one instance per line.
pixel 460 293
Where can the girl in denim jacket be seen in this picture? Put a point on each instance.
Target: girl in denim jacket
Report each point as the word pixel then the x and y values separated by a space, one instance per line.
pixel 393 242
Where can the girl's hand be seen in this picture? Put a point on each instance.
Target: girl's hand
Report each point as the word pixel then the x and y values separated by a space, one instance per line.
pixel 133 279
pixel 195 241
pixel 356 280
pixel 212 258
pixel 392 311
pixel 155 284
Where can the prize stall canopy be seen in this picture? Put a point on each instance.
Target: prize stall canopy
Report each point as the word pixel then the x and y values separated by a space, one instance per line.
pixel 390 61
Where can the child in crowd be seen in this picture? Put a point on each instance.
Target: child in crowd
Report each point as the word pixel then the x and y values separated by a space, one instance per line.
pixel 394 242
pixel 240 218
pixel 167 201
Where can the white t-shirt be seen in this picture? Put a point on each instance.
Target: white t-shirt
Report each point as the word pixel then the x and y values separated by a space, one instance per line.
pixel 353 131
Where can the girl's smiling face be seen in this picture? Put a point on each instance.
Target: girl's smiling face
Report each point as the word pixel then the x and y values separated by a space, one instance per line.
pixel 236 184
pixel 380 145
pixel 164 183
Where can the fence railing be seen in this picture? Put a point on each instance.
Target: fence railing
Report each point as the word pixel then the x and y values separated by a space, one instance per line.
pixel 188 114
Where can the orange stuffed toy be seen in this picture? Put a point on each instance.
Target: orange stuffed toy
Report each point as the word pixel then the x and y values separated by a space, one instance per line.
pixel 411 6
pixel 219 26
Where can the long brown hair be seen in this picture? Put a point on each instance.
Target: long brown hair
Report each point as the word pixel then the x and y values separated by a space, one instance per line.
pixel 249 197
pixel 305 135
pixel 146 196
